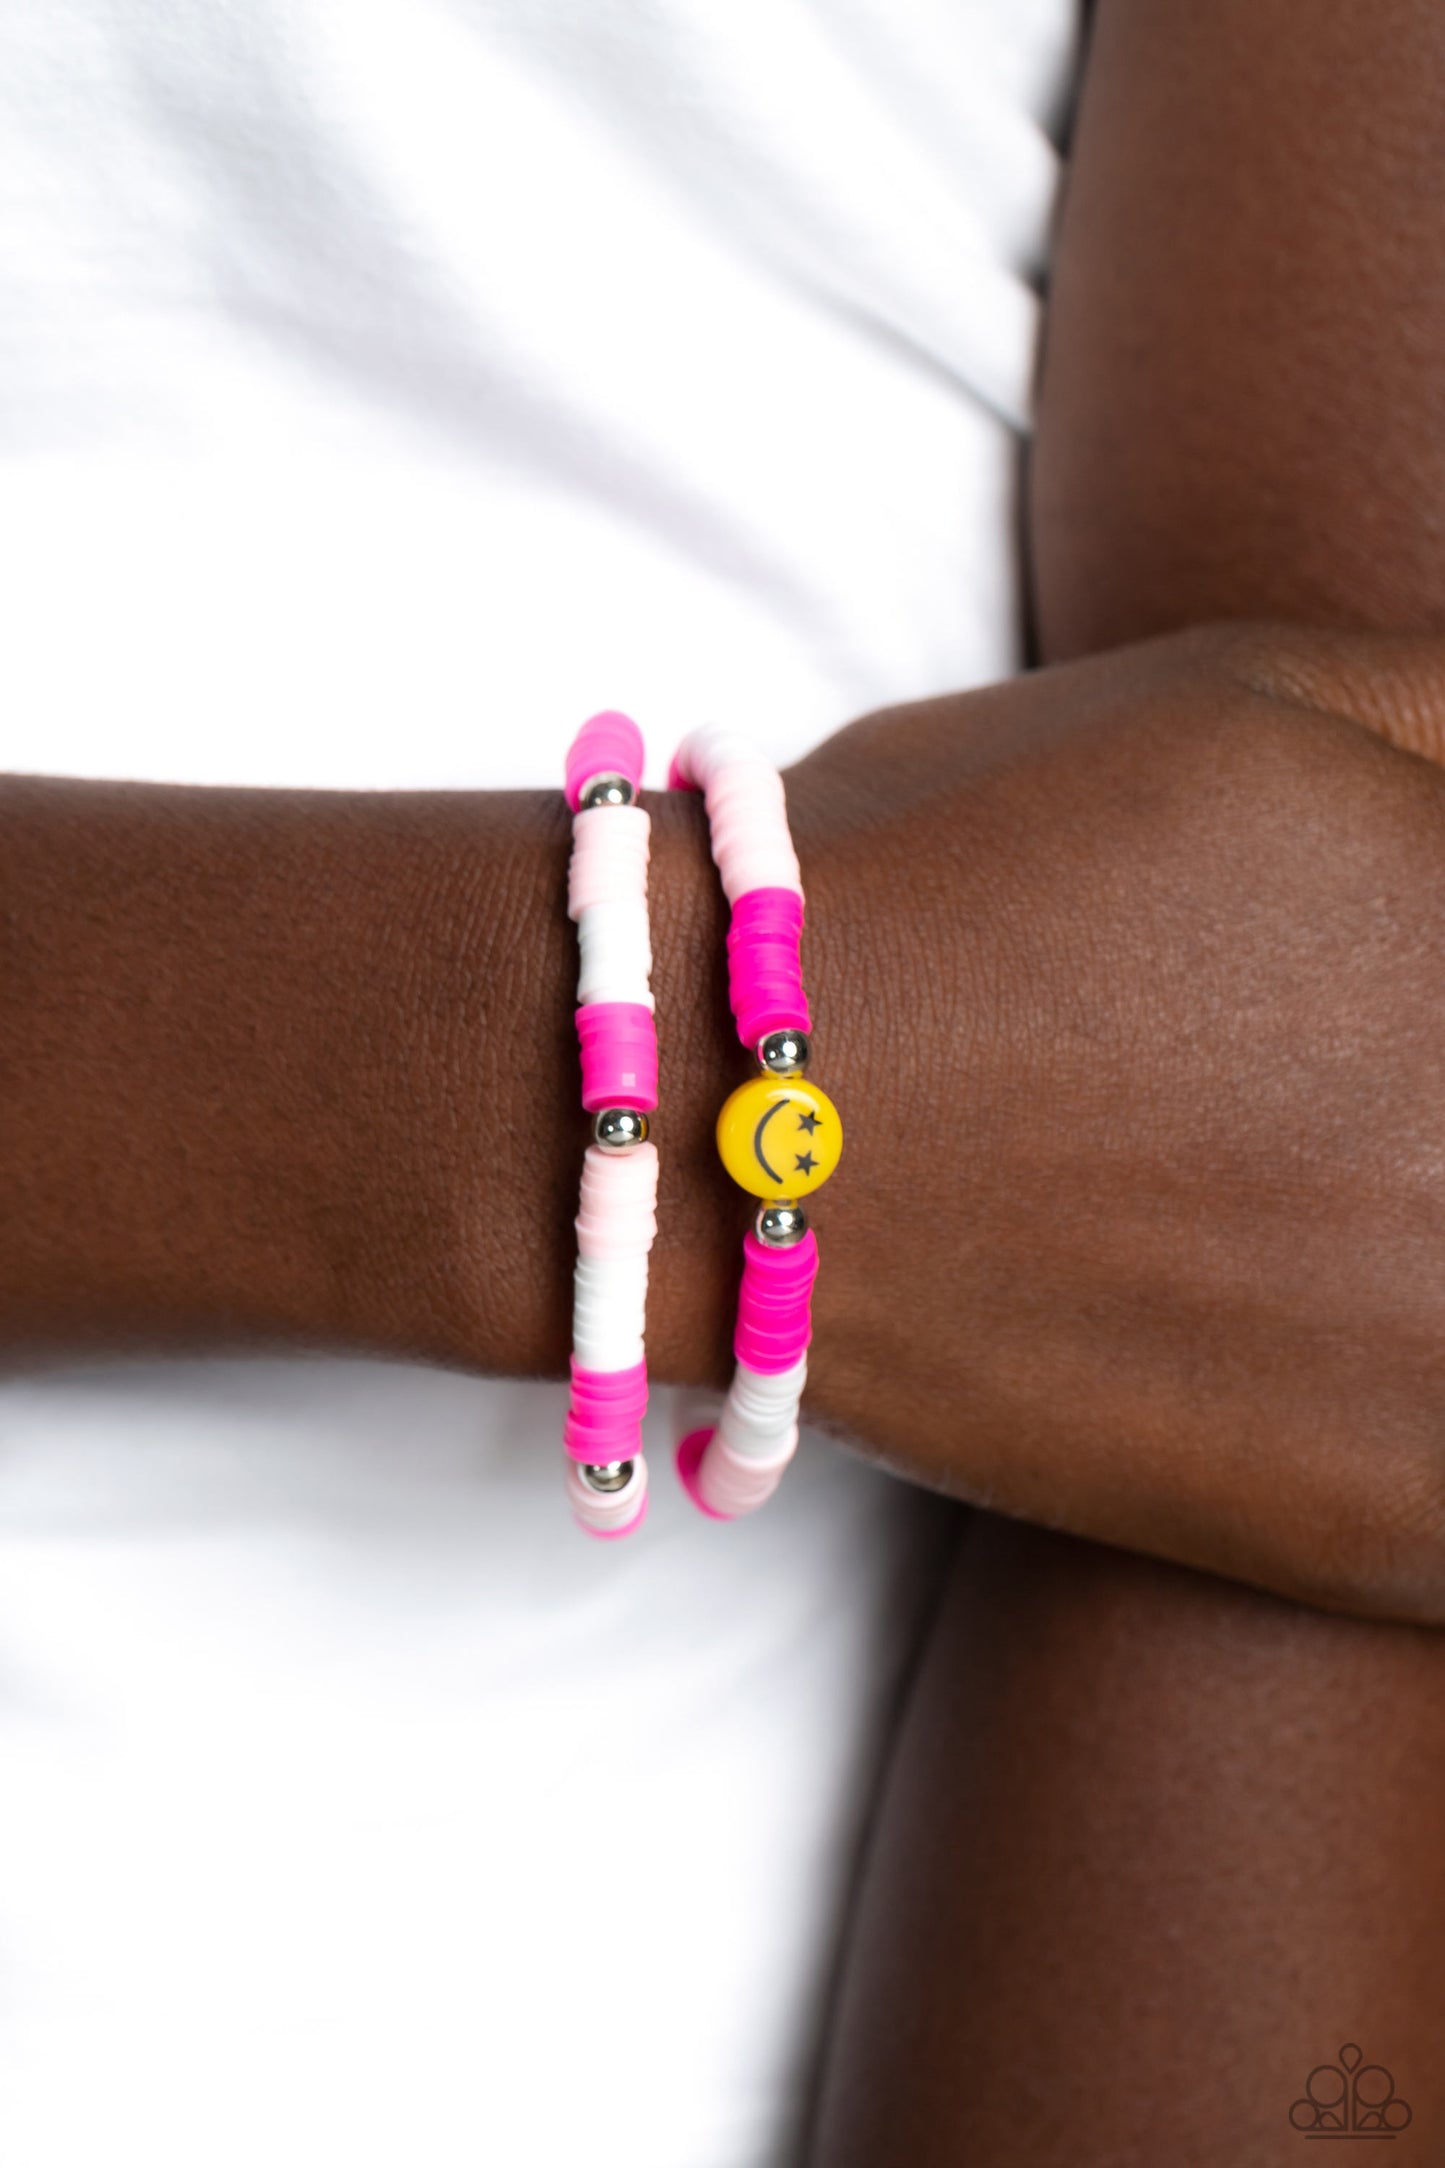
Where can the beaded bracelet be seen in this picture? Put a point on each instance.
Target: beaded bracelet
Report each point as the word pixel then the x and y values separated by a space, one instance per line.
pixel 778 1136
pixel 616 1220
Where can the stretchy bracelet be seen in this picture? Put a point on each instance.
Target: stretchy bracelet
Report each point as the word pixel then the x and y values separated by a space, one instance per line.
pixel 779 1136
pixel 616 1218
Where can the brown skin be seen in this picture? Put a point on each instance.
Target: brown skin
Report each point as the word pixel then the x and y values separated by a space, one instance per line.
pixel 1143 968
pixel 1127 975
pixel 260 1052
pixel 298 1067
pixel 1243 405
pixel 1152 1845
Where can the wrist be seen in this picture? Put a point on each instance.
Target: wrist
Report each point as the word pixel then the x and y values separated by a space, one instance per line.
pixel 505 1125
pixel 300 1068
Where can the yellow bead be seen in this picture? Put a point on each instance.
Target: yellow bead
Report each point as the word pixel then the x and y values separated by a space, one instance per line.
pixel 779 1137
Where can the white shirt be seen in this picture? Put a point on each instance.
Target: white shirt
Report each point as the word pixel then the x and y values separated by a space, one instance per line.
pixel 384 386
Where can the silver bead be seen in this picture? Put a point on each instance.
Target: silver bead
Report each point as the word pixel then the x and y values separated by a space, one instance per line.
pixel 784 1053
pixel 605 790
pixel 781 1224
pixel 605 1476
pixel 617 1127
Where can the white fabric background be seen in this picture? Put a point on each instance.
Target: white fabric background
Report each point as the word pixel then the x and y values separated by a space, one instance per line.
pixel 384 385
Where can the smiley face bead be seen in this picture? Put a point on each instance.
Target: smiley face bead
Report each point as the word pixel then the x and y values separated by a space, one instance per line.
pixel 779 1137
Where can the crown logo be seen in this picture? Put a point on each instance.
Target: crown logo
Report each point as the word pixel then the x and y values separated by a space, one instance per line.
pixel 1350 2099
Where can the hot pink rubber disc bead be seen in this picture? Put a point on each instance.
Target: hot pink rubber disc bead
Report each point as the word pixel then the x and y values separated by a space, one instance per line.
pixel 607 744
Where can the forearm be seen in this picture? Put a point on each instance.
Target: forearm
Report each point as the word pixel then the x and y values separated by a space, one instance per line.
pixel 298 1068
pixel 1242 406
pixel 1240 415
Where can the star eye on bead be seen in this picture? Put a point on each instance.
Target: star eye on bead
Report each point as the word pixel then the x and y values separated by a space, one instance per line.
pixel 778 1136
pixel 759 1129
